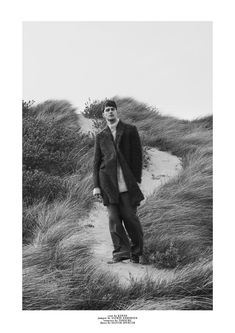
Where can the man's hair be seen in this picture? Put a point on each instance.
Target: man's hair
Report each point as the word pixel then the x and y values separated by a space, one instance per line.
pixel 110 103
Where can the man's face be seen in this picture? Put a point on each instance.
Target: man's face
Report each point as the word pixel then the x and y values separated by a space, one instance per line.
pixel 110 114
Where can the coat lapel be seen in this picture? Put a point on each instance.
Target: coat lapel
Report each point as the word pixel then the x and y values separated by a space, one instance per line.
pixel 107 133
pixel 119 132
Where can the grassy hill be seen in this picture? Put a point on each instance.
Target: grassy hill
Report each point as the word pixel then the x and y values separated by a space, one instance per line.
pixel 59 271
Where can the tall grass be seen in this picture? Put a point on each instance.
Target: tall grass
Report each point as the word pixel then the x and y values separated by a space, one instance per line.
pixel 181 210
pixel 59 271
pixel 58 111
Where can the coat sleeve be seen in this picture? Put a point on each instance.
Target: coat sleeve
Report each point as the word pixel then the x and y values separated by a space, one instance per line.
pixel 136 155
pixel 96 162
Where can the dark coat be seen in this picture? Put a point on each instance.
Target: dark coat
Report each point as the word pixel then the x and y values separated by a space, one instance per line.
pixel 127 148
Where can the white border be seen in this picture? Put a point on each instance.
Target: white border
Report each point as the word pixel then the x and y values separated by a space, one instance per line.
pixel 13 14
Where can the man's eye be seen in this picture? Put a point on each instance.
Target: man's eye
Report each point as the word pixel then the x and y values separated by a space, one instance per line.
pixel 109 109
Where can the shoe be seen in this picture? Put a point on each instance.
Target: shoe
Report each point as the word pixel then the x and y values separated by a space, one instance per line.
pixel 116 260
pixel 135 259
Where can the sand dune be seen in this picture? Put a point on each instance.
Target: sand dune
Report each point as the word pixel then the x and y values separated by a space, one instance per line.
pixel 162 166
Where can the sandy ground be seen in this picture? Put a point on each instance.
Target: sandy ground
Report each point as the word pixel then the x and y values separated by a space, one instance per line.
pixel 162 167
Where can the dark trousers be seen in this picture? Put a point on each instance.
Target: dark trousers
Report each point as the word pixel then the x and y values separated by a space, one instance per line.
pixel 125 213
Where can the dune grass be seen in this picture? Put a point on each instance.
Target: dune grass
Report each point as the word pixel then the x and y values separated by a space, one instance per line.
pixel 180 212
pixel 59 271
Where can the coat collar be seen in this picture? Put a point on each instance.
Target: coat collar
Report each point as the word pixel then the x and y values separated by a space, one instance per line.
pixel 119 132
pixel 113 126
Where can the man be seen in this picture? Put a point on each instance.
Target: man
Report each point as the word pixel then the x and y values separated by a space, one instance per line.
pixel 117 169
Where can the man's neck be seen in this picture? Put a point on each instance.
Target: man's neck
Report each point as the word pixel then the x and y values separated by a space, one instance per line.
pixel 112 122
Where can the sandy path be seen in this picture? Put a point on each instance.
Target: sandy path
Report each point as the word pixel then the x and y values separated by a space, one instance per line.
pixel 162 166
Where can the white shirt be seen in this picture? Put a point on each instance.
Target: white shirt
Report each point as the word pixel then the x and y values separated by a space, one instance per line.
pixel 121 182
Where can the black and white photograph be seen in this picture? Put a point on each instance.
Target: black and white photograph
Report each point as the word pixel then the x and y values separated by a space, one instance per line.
pixel 117 166
pixel 117 134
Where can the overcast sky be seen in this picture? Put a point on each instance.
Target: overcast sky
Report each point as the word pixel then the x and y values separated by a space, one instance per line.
pixel 165 64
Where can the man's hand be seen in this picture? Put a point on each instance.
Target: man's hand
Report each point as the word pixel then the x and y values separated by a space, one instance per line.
pixel 98 197
pixel 97 194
